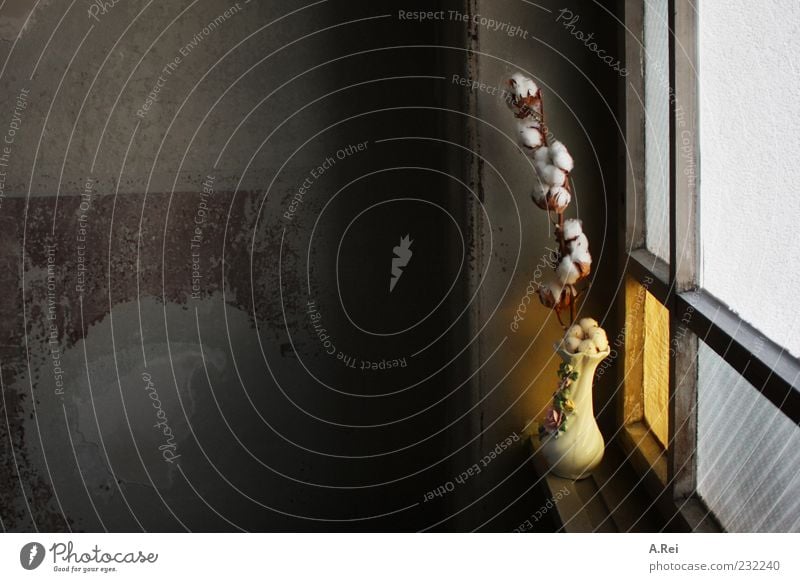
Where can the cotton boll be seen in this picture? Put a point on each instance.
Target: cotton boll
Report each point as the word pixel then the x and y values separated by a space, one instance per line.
pixel 523 86
pixel 588 325
pixel 581 255
pixel 587 347
pixel 530 135
pixel 558 198
pixel 564 161
pixel 567 272
pixel 598 336
pixel 553 176
pixel 582 260
pixel 541 160
pixel 542 156
pixel 581 264
pixel 572 344
pixel 529 88
pixel 580 243
pixel 541 170
pixel 555 155
pixel 575 331
pixel 557 147
pixel 517 80
pixel 550 293
pixel 572 229
pixel 561 157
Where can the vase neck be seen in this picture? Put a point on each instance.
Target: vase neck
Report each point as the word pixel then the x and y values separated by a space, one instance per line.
pixel 581 388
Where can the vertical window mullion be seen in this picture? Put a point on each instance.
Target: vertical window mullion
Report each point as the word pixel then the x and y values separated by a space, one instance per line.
pixel 634 147
pixel 683 265
pixel 632 213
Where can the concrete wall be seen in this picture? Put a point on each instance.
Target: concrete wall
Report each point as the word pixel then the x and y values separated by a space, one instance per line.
pixel 152 384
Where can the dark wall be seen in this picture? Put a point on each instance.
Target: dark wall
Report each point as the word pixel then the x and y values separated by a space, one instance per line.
pixel 196 344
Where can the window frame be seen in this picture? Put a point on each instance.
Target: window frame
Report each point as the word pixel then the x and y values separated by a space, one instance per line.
pixel 762 362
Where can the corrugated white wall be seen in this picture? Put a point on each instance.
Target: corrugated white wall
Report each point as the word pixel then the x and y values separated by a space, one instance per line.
pixel 748 452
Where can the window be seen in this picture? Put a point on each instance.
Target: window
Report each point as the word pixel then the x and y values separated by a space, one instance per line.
pixel 748 452
pixel 656 101
pixel 710 378
pixel 646 383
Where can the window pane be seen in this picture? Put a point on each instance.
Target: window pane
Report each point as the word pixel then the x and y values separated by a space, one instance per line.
pixel 646 361
pixel 656 368
pixel 748 452
pixel 749 146
pixel 656 98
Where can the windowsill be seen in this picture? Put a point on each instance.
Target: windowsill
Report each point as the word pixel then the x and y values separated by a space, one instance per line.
pixel 580 508
pixel 616 499
pixel 608 501
pixel 646 455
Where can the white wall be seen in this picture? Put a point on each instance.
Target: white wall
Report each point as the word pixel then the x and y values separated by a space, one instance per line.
pixel 749 148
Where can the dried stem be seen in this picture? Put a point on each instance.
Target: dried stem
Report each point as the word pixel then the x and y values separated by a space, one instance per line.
pixel 558 316
pixel 562 244
pixel 533 107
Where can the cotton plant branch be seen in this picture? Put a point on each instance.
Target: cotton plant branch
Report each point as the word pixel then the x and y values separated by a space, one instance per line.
pixel 553 193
